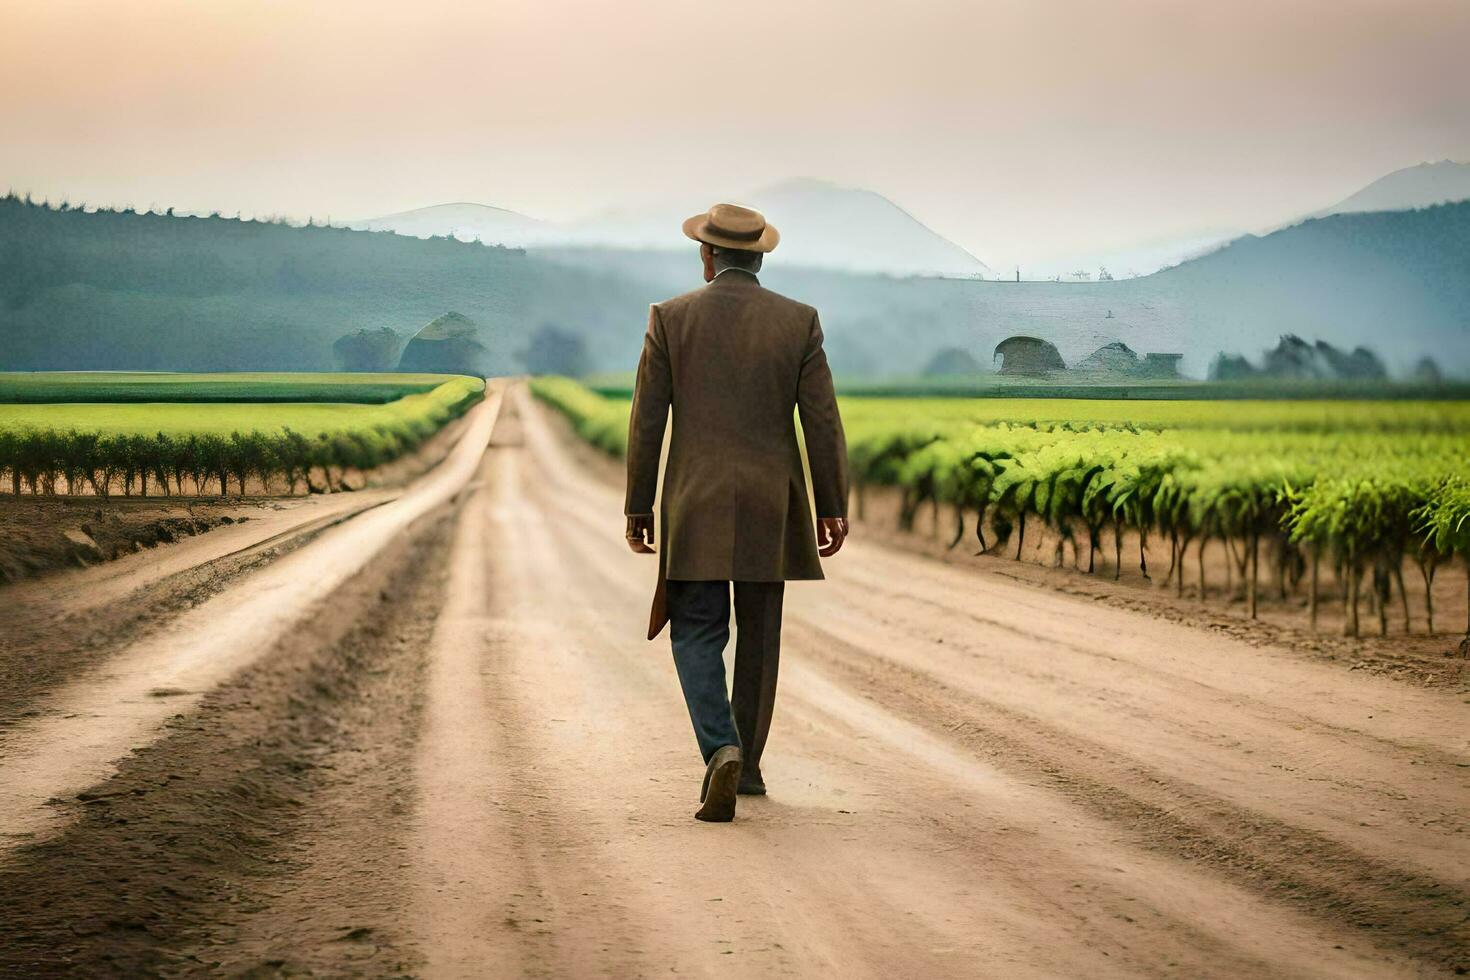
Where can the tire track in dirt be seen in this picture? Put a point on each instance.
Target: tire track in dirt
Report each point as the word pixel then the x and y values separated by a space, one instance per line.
pixel 1411 913
pixel 1028 613
pixel 44 648
pixel 513 876
pixel 262 834
pixel 1263 753
pixel 100 716
pixel 486 826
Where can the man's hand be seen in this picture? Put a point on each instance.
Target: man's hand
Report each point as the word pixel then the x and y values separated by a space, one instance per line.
pixel 640 533
pixel 831 532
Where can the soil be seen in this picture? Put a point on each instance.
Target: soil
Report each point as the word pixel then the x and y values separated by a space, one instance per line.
pixel 39 534
pixel 469 762
pixel 246 807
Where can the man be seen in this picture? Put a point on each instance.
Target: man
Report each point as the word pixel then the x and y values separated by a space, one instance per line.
pixel 734 361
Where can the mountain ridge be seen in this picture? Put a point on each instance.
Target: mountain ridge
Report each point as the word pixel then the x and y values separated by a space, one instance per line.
pixel 1418 186
pixel 112 290
pixel 823 225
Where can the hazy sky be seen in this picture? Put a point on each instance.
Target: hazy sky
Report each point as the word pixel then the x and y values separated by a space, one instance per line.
pixel 1023 129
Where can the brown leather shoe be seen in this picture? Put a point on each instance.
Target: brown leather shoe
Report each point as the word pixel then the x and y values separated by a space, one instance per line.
pixel 721 781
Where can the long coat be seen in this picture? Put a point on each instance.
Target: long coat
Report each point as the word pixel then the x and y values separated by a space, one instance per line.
pixel 735 362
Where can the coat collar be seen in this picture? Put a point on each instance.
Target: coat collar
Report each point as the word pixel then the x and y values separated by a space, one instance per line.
pixel 733 275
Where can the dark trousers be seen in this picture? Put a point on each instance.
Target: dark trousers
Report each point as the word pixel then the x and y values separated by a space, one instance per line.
pixel 699 626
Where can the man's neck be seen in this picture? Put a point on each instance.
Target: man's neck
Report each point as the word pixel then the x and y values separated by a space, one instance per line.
pixel 731 268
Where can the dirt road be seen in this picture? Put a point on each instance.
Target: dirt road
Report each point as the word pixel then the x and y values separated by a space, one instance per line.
pixel 468 763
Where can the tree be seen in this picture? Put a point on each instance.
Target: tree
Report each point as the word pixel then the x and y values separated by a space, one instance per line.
pixel 367 350
pixel 1231 367
pixel 77 453
pixel 553 350
pixel 214 460
pixel 952 361
pixel 10 458
pixel 1427 371
pixel 160 463
pixel 294 455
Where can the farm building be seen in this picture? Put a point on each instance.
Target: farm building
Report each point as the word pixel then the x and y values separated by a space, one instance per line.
pixel 1114 358
pixel 447 344
pixel 1028 355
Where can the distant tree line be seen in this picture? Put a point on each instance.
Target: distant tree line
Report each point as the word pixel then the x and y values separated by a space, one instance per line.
pixel 123 289
pixel 1295 359
pixel 368 350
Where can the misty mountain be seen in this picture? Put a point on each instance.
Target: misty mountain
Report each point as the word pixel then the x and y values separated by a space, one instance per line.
pixel 1393 282
pixel 467 222
pixel 117 290
pixel 1137 260
pixel 822 225
pixel 1420 186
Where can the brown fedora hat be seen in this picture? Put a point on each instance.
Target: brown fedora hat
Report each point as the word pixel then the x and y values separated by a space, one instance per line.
pixel 731 226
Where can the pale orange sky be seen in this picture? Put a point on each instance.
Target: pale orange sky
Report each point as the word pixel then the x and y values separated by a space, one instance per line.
pixel 1023 130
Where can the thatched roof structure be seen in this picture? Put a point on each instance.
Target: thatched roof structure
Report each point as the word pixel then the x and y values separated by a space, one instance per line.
pixel 1028 355
pixel 1116 358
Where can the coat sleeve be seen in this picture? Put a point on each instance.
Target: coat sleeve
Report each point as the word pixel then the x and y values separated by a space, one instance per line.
pixel 826 445
pixel 650 414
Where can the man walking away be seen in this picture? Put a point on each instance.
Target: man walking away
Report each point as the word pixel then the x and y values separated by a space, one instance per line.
pixel 734 361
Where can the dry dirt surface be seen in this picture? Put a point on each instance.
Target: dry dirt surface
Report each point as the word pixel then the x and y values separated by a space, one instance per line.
pixel 466 762
pixel 41 534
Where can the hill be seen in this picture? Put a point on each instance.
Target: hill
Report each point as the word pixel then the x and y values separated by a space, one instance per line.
pixel 1393 282
pixel 132 291
pixel 1422 186
pixel 111 290
pixel 467 222
pixel 822 225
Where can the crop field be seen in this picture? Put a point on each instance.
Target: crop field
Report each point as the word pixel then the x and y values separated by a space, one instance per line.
pixel 46 387
pixel 109 445
pixel 1362 489
pixel 1007 387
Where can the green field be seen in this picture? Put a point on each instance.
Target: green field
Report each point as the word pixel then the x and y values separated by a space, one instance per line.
pixel 424 405
pixel 1338 415
pixel 1362 487
pixel 42 387
pixel 71 446
pixel 1004 387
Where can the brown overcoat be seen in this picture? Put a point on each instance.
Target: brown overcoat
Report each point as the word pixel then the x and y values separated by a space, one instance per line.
pixel 735 361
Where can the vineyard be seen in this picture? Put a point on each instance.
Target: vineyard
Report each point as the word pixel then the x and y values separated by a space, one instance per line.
pixel 114 387
pixel 175 446
pixel 1336 499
